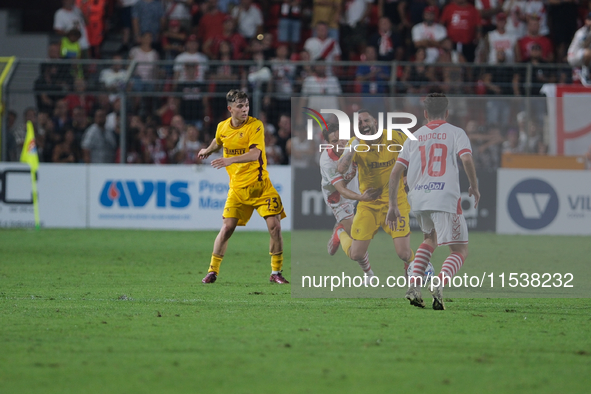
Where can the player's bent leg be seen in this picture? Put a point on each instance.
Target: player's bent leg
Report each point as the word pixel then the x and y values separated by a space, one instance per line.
pixel 358 252
pixel 275 249
pixel 219 249
pixel 340 237
pixel 404 251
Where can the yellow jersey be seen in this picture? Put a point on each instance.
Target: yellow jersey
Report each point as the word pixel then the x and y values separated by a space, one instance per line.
pixel 237 141
pixel 375 166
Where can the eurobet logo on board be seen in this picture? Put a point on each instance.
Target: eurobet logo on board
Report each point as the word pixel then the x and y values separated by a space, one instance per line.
pixel 127 194
pixel 345 129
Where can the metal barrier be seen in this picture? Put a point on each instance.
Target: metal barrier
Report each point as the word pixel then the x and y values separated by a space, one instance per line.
pixel 197 90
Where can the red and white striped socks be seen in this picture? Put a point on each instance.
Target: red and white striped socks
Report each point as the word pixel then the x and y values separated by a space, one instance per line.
pixel 422 258
pixel 451 266
pixel 364 264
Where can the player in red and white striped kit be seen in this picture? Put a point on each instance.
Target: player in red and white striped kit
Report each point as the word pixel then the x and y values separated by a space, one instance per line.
pixel 434 194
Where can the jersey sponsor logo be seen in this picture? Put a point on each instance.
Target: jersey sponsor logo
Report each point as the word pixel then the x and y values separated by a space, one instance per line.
pixel 127 194
pixel 430 186
pixel 377 164
pixel 234 151
pixel 533 204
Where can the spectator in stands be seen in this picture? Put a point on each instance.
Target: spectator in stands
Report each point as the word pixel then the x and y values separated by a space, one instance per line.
pixel 462 21
pixel 145 72
pixel 488 9
pixel 99 144
pixel 498 80
pixel 112 121
pixel 327 12
pixel 188 152
pixel 79 123
pixel 79 97
pixel 372 79
pixel 226 6
pixel 148 17
pixel 70 17
pixel 191 55
pixel 284 135
pixel 428 35
pixel 229 34
pixel 282 82
pixel 515 11
pixel 194 106
pixel 113 78
pixel 70 46
pixel 60 117
pixel 419 78
pixel 212 21
pixel 272 150
pixel 354 27
pixel 94 16
pixel 323 90
pixel 20 131
pixel 562 21
pixel 499 40
pixel 396 12
pixel 539 75
pixel 542 148
pixel 67 151
pixel 489 152
pixel 512 144
pixel 173 40
pixel 179 11
pixel 126 22
pixel 537 8
pixel 249 19
pixel 168 110
pixel 322 47
pixel 302 71
pixel 171 143
pixel 533 36
pixel 534 136
pixel 388 42
pixel 154 147
pixel 579 51
pixel 48 87
pixel 290 23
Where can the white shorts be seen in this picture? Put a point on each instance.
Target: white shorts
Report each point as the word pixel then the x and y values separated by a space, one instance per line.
pixel 343 211
pixel 451 228
pixel 575 59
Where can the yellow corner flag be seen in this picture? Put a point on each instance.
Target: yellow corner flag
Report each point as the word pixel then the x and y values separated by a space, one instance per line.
pixel 29 155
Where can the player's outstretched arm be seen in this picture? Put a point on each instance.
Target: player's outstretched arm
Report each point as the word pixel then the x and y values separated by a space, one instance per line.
pixel 212 148
pixel 471 172
pixel 347 158
pixel 393 211
pixel 252 155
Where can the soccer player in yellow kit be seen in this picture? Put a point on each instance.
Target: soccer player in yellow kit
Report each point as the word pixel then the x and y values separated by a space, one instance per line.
pixel 374 168
pixel 243 139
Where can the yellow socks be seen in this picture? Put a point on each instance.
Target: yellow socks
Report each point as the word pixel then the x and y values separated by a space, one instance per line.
pixel 346 241
pixel 216 260
pixel 276 262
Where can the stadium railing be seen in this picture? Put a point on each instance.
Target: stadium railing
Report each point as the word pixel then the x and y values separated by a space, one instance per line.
pixel 143 88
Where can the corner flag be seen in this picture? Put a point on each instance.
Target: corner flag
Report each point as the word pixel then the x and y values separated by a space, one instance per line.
pixel 29 155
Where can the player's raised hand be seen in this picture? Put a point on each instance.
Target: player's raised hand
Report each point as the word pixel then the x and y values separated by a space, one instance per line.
pixel 220 163
pixel 475 193
pixel 203 153
pixel 392 218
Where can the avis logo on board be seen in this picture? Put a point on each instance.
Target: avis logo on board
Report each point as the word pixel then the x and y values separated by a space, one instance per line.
pixel 128 194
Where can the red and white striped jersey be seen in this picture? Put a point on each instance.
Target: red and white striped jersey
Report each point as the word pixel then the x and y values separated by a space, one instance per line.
pixel 432 163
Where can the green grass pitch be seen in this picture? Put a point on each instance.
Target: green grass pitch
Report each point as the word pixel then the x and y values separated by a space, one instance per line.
pixel 108 311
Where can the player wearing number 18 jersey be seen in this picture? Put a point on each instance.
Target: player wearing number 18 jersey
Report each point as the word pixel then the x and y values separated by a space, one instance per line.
pixel 434 193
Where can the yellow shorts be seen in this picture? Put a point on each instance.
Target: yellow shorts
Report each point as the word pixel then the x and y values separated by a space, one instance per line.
pixel 369 218
pixel 261 196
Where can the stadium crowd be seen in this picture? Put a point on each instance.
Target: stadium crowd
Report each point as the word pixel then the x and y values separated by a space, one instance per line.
pixel 77 107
